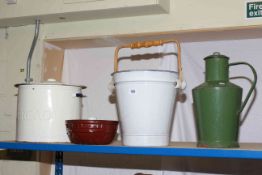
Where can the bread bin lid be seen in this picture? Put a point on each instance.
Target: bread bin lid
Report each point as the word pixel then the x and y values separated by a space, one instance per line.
pixel 50 82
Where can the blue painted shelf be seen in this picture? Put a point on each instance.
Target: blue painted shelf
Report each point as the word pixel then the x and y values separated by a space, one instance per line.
pixel 178 149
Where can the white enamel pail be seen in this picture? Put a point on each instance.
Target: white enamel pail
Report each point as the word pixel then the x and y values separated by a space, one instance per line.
pixel 146 101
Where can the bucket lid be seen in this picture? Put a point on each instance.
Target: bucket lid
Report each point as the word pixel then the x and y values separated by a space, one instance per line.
pixel 50 82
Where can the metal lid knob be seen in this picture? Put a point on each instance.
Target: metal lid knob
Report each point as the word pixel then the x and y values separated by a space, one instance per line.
pixel 216 53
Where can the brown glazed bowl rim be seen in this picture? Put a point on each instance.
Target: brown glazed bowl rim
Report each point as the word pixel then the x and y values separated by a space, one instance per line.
pixel 85 121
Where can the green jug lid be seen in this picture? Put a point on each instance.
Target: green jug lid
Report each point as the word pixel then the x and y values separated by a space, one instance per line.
pixel 216 55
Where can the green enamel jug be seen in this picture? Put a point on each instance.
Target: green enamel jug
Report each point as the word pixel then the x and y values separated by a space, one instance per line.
pixel 217 104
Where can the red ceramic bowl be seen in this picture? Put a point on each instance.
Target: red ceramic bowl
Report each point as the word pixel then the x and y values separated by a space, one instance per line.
pixel 95 132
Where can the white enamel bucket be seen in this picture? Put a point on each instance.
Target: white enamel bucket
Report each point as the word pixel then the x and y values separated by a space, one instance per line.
pixel 146 100
pixel 43 108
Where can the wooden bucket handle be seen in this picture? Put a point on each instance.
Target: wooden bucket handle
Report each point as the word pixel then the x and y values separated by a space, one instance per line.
pixel 146 44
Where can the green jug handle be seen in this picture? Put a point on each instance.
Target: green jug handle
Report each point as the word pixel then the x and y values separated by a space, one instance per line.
pixel 253 84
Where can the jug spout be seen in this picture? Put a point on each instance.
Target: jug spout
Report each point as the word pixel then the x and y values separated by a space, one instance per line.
pixel 216 67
